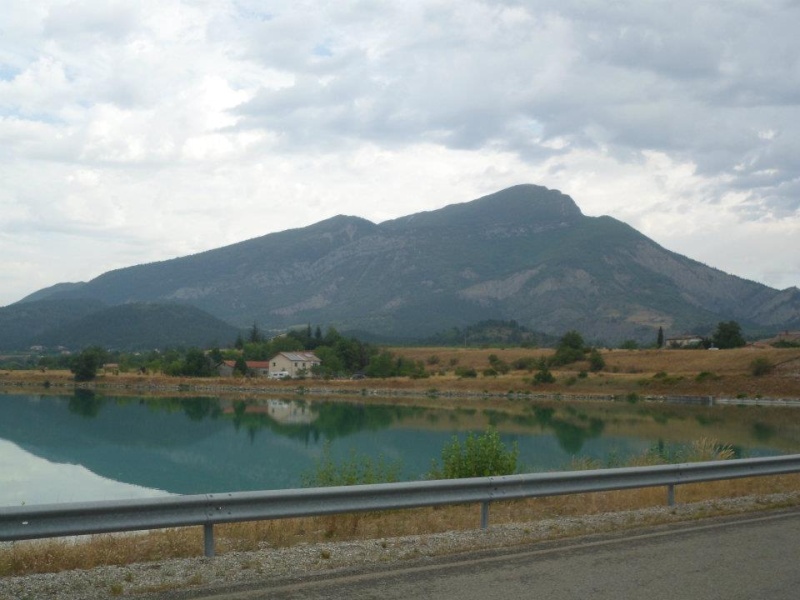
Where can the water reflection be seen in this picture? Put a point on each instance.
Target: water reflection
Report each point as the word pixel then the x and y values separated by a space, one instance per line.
pixel 86 403
pixel 202 444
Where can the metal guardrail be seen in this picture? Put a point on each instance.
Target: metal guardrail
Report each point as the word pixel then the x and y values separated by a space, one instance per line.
pixel 54 520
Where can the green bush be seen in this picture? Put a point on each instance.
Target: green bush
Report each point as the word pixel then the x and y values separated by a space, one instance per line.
pixel 596 360
pixel 544 376
pixel 466 372
pixel 761 366
pixel 477 456
pixel 526 363
pixel 706 376
pixel 570 349
pixel 499 366
pixel 355 470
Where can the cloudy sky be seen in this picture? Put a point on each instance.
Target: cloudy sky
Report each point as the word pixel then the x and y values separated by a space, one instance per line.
pixel 141 130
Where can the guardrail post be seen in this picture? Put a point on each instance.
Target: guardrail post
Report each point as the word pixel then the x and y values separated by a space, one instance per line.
pixel 485 514
pixel 208 539
pixel 671 494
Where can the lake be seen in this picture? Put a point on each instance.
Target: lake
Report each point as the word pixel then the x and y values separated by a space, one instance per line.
pixel 88 446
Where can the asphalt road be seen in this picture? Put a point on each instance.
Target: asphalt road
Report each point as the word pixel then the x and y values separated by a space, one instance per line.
pixel 756 558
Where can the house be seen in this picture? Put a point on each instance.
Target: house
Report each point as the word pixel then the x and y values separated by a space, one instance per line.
pixel 292 364
pixel 259 368
pixel 684 341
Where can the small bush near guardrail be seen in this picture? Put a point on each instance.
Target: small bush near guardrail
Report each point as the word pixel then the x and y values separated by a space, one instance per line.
pixel 356 469
pixel 478 456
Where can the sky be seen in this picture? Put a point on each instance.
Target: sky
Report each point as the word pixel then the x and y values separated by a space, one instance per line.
pixel 143 130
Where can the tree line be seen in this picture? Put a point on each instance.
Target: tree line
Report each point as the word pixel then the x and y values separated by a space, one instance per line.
pixel 340 356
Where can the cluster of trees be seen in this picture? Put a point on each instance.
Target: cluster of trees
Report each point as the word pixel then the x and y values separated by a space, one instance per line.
pixel 340 356
pixel 728 334
pixel 192 362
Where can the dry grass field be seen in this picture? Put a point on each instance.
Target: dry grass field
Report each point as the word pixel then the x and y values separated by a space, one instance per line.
pixel 656 372
pixel 722 373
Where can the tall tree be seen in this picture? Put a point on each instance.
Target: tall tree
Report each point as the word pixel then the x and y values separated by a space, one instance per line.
pixel 85 365
pixel 240 366
pixel 570 349
pixel 728 335
pixel 660 339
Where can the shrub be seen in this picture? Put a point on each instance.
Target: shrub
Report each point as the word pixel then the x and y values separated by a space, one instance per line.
pixel 526 363
pixel 706 376
pixel 761 366
pixel 786 344
pixel 500 366
pixel 570 349
pixel 466 372
pixel 478 456
pixel 596 360
pixel 544 376
pixel 355 470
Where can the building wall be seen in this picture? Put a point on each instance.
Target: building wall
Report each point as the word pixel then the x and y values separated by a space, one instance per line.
pixel 281 363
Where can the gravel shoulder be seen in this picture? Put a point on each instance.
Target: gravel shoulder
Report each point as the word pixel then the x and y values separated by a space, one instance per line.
pixel 186 578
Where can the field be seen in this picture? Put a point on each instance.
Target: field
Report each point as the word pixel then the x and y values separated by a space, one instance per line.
pixel 722 373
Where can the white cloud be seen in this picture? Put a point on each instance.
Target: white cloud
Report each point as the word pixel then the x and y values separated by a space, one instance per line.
pixel 132 132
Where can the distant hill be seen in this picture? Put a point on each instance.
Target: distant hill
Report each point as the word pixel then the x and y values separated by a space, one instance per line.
pixel 144 326
pixel 52 290
pixel 525 253
pixel 77 324
pixel 24 324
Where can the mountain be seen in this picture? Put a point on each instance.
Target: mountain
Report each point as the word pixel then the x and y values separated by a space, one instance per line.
pixel 525 253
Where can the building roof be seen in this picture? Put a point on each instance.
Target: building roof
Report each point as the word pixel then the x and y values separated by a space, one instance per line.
pixel 251 364
pixel 257 364
pixel 300 356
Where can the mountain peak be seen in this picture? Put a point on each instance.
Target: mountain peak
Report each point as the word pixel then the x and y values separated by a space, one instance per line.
pixel 523 207
pixel 525 253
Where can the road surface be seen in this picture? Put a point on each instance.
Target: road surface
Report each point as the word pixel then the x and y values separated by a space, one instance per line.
pixel 755 557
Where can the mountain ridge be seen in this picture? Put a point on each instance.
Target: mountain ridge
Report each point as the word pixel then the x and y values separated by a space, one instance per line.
pixel 525 253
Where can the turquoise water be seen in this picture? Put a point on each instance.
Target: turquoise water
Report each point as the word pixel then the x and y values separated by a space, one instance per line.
pixel 87 447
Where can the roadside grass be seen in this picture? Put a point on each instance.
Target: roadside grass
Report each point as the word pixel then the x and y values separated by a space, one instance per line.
pixel 49 556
